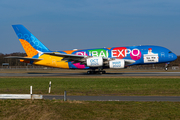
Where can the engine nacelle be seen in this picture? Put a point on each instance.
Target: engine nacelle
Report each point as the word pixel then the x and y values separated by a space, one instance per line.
pixel 116 64
pixel 94 62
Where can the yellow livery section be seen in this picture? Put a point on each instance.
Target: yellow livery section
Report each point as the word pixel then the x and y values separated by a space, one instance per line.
pixel 52 61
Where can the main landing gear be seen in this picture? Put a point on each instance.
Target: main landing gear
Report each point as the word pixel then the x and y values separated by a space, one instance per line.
pixel 96 72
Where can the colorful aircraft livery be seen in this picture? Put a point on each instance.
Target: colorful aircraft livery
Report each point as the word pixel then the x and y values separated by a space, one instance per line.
pixel 101 58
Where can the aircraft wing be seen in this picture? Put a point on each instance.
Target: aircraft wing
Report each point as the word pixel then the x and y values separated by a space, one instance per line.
pixel 65 55
pixel 82 58
pixel 70 57
pixel 24 58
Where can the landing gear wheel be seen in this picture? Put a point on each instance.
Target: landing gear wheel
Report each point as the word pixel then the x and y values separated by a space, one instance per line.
pixel 166 68
pixel 97 72
pixel 89 72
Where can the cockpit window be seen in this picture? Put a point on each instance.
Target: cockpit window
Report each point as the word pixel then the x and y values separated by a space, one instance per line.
pixel 170 52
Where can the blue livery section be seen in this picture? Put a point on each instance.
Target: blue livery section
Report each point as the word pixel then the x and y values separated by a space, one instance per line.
pixel 24 34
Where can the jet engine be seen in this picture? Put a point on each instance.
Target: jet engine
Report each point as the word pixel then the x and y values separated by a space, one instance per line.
pixel 116 64
pixel 94 62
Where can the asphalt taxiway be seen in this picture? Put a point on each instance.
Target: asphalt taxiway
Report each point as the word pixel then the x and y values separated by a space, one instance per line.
pixel 78 74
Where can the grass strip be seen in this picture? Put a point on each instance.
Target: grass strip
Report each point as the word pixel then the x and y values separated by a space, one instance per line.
pixel 57 109
pixel 93 86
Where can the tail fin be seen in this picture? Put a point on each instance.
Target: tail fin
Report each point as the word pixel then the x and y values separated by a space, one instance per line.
pixel 30 43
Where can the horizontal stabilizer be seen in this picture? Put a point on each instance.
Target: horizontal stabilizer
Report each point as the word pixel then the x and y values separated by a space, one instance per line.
pixel 23 58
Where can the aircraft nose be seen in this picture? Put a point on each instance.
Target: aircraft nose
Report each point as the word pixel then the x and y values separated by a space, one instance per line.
pixel 174 56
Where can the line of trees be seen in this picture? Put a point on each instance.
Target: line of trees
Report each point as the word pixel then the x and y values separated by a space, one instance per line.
pixel 12 62
pixel 15 62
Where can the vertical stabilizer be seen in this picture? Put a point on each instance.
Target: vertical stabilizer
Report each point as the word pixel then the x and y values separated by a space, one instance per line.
pixel 30 43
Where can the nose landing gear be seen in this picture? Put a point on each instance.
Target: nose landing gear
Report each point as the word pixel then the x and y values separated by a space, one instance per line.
pixel 166 66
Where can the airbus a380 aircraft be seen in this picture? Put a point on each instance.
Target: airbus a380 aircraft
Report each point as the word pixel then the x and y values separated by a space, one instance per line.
pixel 100 58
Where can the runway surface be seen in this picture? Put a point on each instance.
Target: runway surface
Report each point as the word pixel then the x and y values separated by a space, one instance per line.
pixel 116 98
pixel 126 74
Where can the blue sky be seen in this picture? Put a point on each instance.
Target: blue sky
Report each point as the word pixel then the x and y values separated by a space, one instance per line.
pixel 70 24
